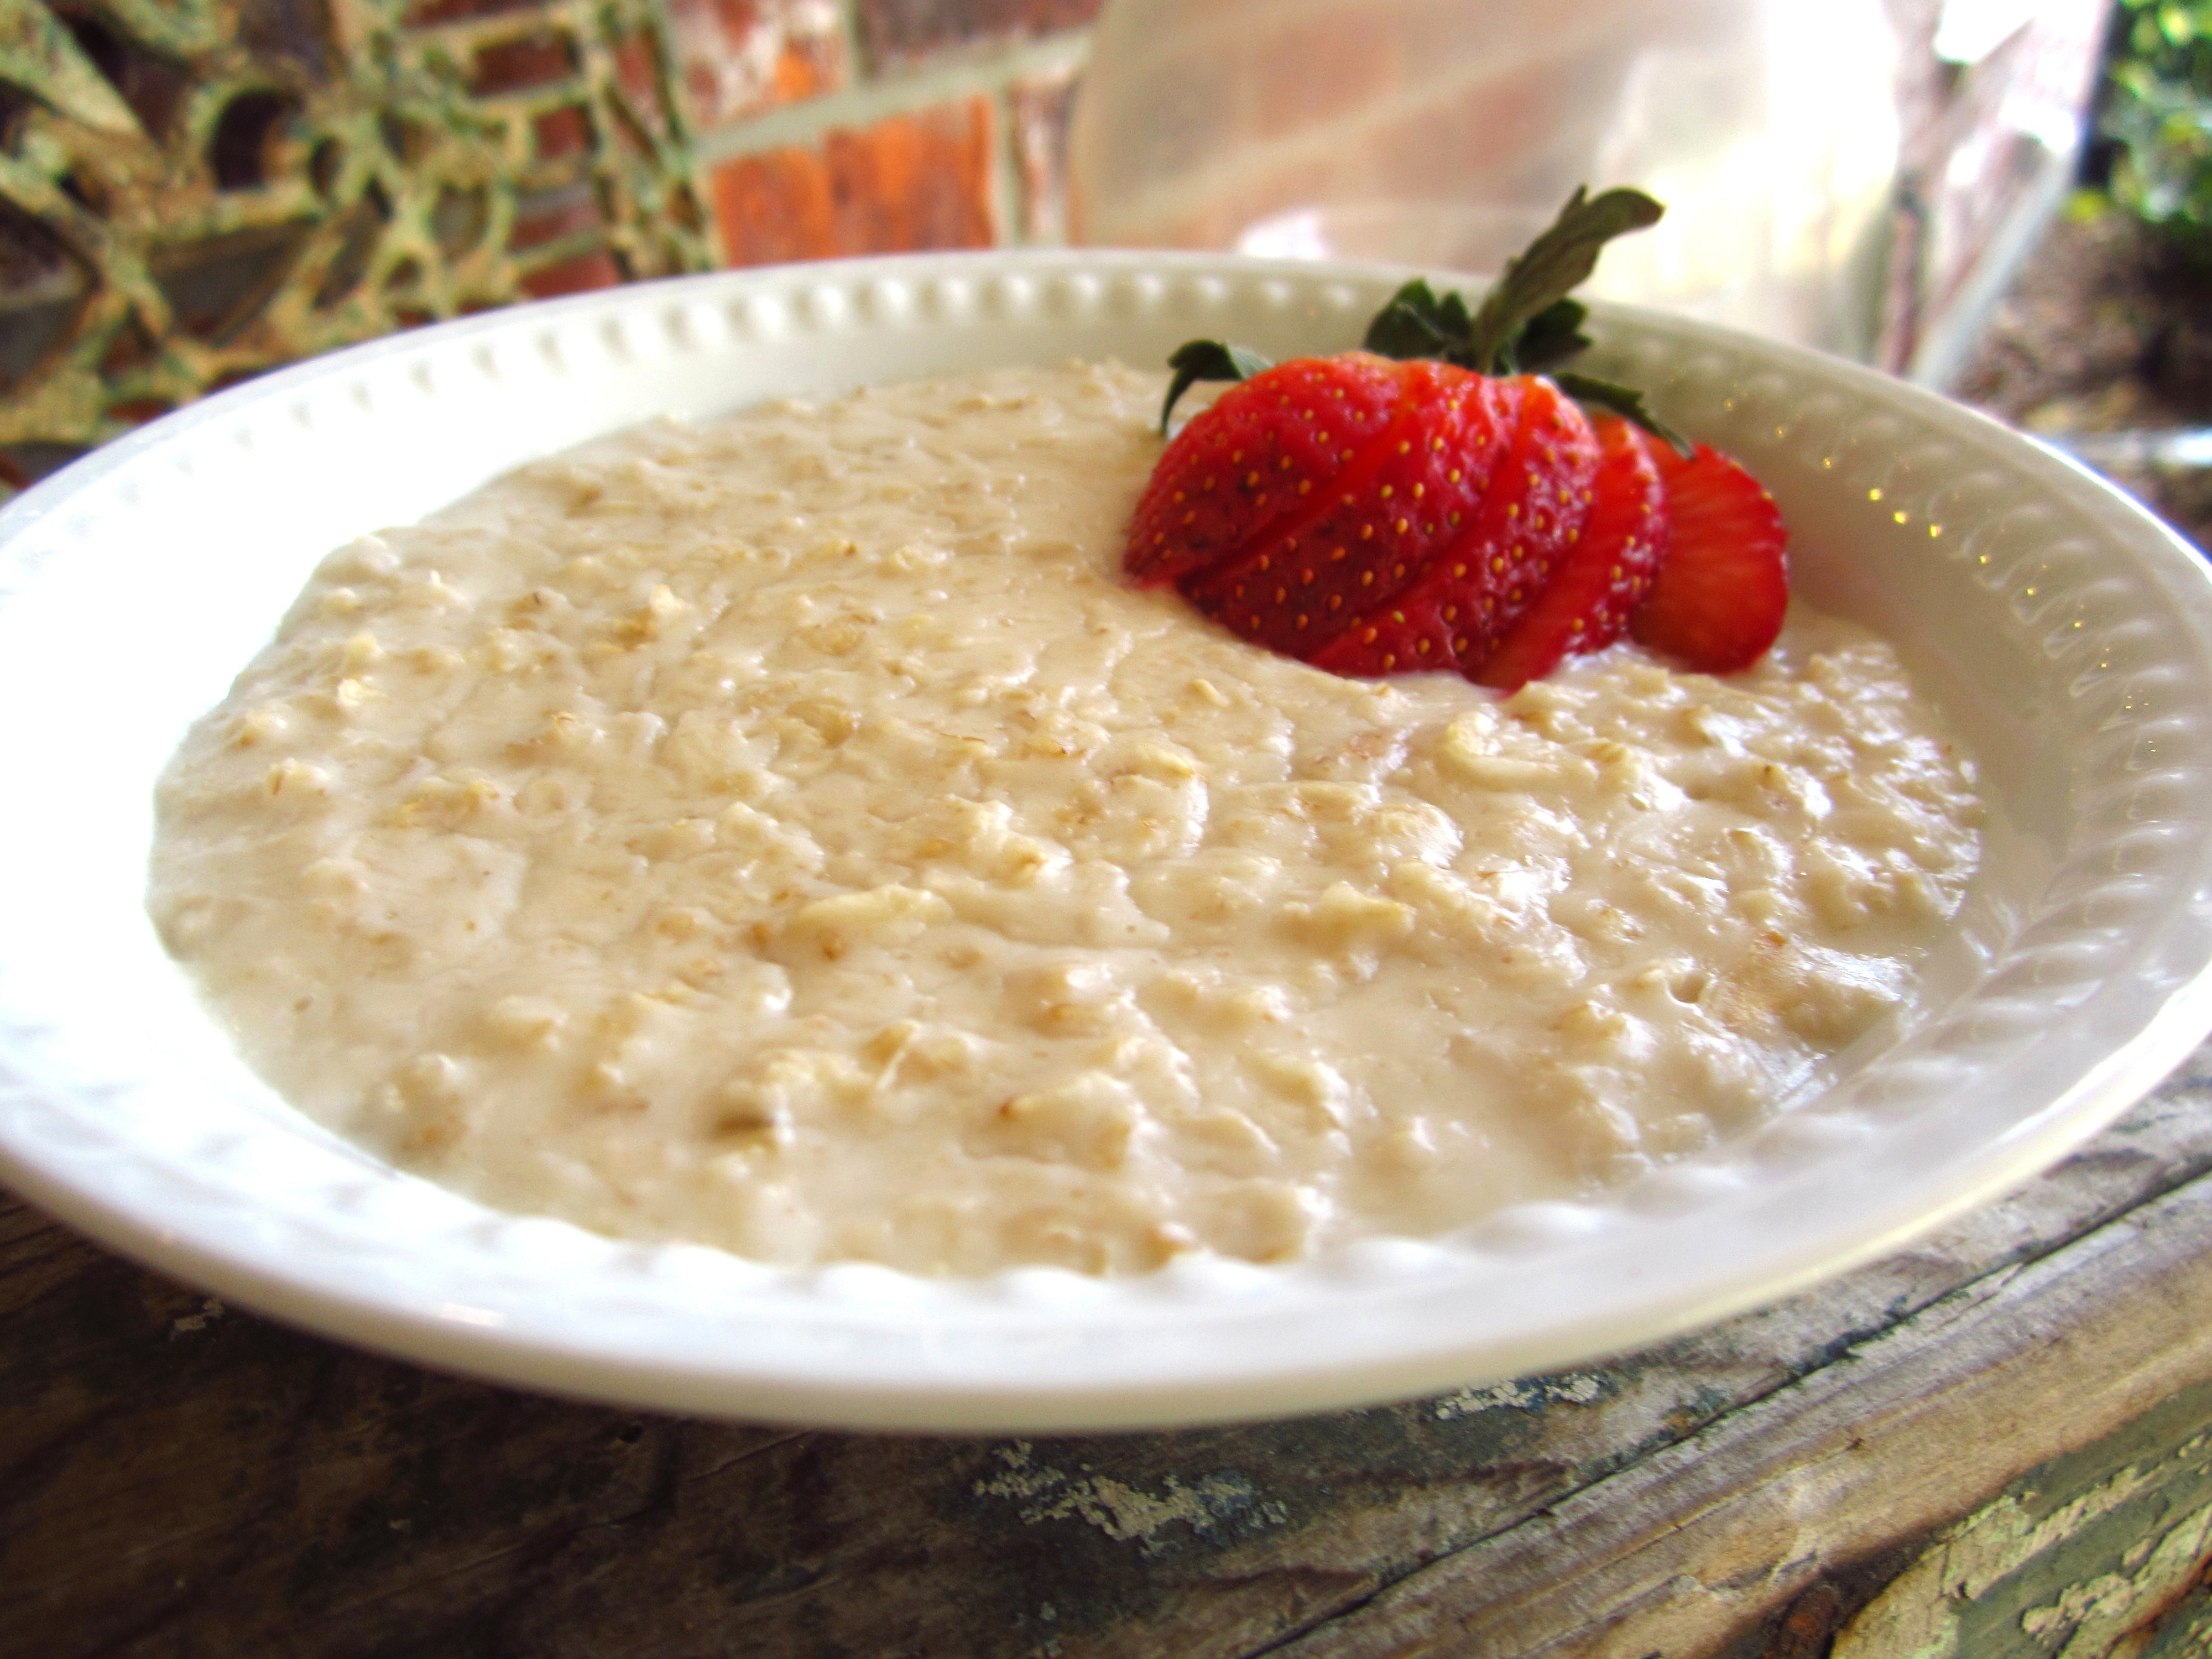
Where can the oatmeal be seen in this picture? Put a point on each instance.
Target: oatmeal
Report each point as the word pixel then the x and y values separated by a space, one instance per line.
pixel 789 834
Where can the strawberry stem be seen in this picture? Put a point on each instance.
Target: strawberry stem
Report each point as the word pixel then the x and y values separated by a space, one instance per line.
pixel 1416 323
pixel 1552 267
pixel 1525 324
pixel 1552 336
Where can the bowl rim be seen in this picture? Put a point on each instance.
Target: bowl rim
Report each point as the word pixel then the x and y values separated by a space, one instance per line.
pixel 1260 1359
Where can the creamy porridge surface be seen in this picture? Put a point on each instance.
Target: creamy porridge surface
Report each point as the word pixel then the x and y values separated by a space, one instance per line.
pixel 787 832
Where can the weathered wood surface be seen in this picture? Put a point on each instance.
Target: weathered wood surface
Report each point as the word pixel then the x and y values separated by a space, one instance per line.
pixel 180 1479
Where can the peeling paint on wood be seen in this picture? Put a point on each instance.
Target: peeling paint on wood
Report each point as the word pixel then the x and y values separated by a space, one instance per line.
pixel 2068 1559
pixel 186 1481
pixel 1215 1506
pixel 1524 1394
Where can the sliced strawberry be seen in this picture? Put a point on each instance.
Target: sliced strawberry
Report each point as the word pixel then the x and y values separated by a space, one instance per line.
pixel 1377 526
pixel 1605 572
pixel 1454 611
pixel 1717 600
pixel 1259 455
pixel 1378 513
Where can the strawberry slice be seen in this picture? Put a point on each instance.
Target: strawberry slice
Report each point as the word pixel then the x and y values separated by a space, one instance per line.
pixel 1455 610
pixel 1377 526
pixel 1723 585
pixel 1430 502
pixel 1257 457
pixel 1604 574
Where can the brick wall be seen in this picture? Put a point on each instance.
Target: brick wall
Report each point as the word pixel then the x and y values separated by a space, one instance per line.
pixel 191 195
pixel 833 127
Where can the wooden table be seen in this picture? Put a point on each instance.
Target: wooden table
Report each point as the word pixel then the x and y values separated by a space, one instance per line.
pixel 1999 1443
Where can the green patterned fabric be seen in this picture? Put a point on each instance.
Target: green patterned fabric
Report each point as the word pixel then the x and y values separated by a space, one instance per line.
pixel 192 191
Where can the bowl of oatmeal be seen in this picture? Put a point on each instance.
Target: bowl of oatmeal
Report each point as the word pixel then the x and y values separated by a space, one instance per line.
pixel 680 874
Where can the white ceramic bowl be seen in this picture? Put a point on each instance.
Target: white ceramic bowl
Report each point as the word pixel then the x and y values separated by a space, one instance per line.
pixel 2067 634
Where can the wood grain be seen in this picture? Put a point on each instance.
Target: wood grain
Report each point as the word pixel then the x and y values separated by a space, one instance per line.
pixel 177 1478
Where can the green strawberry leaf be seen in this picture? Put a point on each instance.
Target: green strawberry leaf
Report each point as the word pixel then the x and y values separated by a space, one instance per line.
pixel 1626 402
pixel 1526 324
pixel 1552 266
pixel 1417 324
pixel 1207 360
pixel 1552 336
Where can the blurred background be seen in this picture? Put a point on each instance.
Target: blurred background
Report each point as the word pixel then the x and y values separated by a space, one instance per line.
pixel 2004 198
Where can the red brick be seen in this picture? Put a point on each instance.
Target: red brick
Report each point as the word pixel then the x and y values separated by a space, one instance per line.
pixel 900 31
pixel 430 13
pixel 1041 112
pixel 551 215
pixel 737 58
pixel 137 411
pixel 773 207
pixel 597 269
pixel 132 346
pixel 526 60
pixel 637 73
pixel 912 182
pixel 560 132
